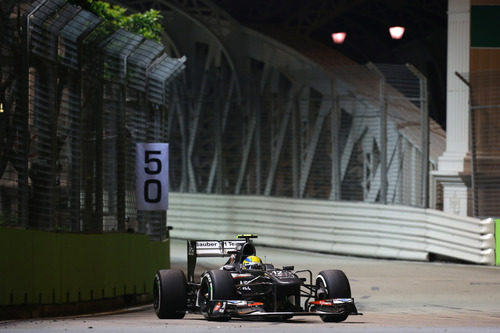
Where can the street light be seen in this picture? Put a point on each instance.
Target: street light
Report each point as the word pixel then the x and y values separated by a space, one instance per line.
pixel 338 37
pixel 397 32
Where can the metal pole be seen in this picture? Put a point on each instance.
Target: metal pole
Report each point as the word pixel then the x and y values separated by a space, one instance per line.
pixel 424 114
pixel 383 133
pixel 121 164
pixel 257 141
pixel 218 132
pixel 335 193
pixel 295 152
pixel 383 143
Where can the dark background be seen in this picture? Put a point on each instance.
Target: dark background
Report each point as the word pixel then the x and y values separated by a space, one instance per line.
pixel 366 23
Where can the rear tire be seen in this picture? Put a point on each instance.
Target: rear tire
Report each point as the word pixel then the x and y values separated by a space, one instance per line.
pixel 332 284
pixel 170 294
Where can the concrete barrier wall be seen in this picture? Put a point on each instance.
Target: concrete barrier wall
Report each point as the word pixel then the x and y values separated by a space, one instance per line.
pixel 383 231
pixel 39 268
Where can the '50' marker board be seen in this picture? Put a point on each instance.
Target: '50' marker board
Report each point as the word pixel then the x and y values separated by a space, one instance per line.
pixel 151 168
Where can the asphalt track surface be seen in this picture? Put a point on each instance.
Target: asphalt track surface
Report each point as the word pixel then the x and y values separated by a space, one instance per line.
pixel 394 296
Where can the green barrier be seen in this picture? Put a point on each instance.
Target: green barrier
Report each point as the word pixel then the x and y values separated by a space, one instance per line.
pixel 484 20
pixel 497 240
pixel 39 268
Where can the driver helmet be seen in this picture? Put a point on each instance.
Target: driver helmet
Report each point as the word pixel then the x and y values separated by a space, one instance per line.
pixel 252 262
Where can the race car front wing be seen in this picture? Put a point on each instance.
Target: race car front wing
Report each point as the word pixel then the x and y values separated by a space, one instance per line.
pixel 226 309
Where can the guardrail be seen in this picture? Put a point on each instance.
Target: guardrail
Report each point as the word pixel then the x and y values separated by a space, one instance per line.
pixel 361 229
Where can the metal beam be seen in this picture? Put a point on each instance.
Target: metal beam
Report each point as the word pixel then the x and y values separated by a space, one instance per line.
pixel 246 152
pixel 335 118
pixel 326 105
pixel 218 149
pixel 278 143
pixel 382 132
pixel 424 117
pixel 195 116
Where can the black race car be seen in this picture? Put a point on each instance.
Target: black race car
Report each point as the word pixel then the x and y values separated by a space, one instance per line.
pixel 260 291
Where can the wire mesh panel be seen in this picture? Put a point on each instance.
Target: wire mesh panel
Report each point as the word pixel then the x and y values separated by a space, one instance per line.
pixel 139 60
pixel 117 49
pixel 54 125
pixel 42 41
pixel 69 134
pixel 360 149
pixel 484 164
pixel 407 105
pixel 43 163
pixel 112 108
pixel 46 22
pixel 281 141
pixel 12 147
pixel 159 74
pixel 268 128
pixel 14 134
pixel 75 106
pixel 72 35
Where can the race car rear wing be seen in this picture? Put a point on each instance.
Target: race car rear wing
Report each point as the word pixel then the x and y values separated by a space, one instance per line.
pixel 213 248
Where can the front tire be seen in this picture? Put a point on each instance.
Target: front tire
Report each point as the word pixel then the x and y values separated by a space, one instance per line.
pixel 333 284
pixel 216 285
pixel 170 294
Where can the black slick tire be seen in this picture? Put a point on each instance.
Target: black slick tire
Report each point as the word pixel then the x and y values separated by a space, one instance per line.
pixel 333 283
pixel 170 294
pixel 216 285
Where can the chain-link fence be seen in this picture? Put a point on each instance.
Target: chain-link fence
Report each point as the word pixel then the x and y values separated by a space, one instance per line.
pixel 76 98
pixel 482 167
pixel 287 139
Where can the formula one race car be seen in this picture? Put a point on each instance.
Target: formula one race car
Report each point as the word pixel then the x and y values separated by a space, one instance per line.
pixel 247 288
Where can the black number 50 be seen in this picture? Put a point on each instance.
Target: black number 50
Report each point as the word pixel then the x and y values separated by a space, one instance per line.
pixel 154 170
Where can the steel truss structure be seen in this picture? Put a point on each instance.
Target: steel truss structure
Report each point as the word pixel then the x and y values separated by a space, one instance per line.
pixel 272 116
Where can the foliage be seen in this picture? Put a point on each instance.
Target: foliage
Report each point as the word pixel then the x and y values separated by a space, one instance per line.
pixel 146 24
